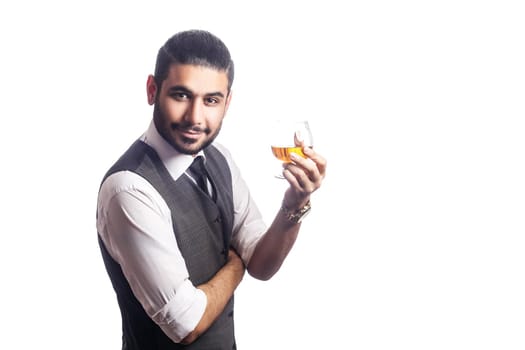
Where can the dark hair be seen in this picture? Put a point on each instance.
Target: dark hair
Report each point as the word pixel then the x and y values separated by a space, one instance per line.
pixel 195 47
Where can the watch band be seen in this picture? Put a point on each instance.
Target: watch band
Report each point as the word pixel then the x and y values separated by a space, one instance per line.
pixel 296 216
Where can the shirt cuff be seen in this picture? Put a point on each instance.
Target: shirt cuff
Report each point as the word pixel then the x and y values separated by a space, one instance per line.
pixel 181 314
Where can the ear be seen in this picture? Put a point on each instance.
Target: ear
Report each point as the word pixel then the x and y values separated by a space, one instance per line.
pixel 151 89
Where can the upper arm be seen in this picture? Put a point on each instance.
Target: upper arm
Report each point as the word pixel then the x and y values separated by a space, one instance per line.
pixel 135 225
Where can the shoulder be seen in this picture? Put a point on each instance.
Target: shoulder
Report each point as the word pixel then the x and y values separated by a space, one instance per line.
pixel 127 183
pixel 121 181
pixel 219 147
pixel 232 165
pixel 224 151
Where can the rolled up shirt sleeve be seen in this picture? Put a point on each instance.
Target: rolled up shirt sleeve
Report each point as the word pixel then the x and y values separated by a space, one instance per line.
pixel 134 223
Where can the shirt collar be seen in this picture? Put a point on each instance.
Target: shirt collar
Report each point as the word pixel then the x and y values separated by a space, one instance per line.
pixel 176 162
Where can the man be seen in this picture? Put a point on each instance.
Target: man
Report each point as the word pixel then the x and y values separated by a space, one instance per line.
pixel 176 224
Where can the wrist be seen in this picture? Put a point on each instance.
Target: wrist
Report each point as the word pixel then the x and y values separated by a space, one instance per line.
pixel 296 215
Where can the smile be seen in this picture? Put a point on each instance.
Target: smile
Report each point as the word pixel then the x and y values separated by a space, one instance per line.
pixel 189 130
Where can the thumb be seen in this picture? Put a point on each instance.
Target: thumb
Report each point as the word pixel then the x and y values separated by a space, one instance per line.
pixel 298 138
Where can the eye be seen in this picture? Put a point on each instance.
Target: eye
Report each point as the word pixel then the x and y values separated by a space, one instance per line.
pixel 210 101
pixel 180 96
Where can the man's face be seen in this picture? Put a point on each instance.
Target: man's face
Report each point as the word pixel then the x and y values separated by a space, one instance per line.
pixel 190 106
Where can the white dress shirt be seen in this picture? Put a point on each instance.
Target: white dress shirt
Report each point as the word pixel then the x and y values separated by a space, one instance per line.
pixel 134 222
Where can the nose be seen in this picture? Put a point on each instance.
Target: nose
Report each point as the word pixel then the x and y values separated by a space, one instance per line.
pixel 195 112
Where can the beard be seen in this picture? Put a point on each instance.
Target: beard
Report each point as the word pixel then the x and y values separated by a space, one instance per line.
pixel 183 144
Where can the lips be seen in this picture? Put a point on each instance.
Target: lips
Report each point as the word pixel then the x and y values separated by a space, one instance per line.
pixel 190 133
pixel 188 129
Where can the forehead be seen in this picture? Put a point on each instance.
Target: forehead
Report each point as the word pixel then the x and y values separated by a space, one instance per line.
pixel 199 79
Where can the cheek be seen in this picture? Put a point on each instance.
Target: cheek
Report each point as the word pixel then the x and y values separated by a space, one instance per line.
pixel 172 110
pixel 214 121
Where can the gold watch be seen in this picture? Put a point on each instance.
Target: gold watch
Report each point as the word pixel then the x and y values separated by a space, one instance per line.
pixel 298 215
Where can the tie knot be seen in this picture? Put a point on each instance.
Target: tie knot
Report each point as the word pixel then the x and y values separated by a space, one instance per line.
pixel 199 173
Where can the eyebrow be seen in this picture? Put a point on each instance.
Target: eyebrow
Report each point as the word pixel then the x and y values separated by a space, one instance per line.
pixel 181 88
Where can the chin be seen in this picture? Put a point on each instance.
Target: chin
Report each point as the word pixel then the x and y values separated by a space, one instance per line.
pixel 186 149
pixel 190 148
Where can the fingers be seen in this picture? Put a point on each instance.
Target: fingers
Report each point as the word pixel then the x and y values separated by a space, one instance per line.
pixel 314 164
pixel 299 180
pixel 305 174
pixel 234 256
pixel 319 160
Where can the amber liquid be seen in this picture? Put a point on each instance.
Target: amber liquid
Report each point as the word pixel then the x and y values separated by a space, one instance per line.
pixel 283 153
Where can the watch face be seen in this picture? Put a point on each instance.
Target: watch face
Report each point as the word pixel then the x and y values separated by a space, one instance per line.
pixel 303 215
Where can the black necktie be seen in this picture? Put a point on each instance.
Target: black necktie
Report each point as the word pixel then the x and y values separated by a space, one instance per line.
pixel 200 174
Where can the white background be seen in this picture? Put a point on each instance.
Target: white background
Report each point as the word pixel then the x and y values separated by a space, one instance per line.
pixel 416 240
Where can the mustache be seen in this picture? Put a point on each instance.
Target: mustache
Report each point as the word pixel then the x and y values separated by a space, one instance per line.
pixel 189 127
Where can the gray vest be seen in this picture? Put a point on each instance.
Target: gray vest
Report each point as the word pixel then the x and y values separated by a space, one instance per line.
pixel 203 230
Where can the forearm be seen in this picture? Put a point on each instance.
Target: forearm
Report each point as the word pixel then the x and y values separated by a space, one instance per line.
pixel 305 176
pixel 274 246
pixel 218 292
